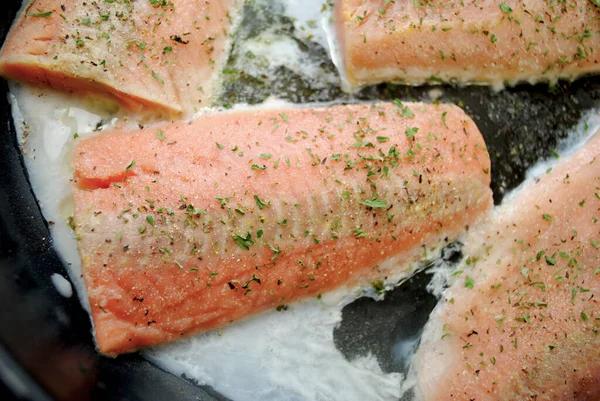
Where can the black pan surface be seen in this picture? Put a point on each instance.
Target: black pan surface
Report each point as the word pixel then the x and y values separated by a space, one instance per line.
pixel 46 347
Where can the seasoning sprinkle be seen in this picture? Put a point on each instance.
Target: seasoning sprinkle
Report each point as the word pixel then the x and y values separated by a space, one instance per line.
pixel 130 166
pixel 40 14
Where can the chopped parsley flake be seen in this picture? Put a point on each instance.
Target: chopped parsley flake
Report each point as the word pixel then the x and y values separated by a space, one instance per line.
pixel 244 242
pixel 375 203
pixel 444 114
pixel 276 251
pixel 40 14
pixel 130 166
pixel 410 132
pixel 261 205
pixel 404 110
pixel 159 79
pixel 539 255
pixel 504 7
pixel 359 233
pixel 379 287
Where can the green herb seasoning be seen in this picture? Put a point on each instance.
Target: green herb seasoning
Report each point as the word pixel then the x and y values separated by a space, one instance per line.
pixel 261 204
pixel 504 7
pixel 130 166
pixel 375 203
pixel 40 14
pixel 159 79
pixel 244 242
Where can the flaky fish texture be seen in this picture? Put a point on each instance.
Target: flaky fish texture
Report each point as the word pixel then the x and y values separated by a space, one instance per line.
pixel 521 320
pixel 156 55
pixel 191 226
pixel 467 41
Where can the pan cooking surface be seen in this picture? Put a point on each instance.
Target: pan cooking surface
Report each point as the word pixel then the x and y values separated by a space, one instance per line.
pixel 46 347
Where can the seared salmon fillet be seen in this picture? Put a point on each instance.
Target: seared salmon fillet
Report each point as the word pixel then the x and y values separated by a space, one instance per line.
pixel 485 42
pixel 159 55
pixel 192 226
pixel 521 321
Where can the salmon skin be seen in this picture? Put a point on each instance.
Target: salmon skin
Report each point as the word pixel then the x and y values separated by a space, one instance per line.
pixel 158 55
pixel 484 42
pixel 521 321
pixel 191 226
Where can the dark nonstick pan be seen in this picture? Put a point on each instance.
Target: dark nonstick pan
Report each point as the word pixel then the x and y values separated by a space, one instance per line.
pixel 46 346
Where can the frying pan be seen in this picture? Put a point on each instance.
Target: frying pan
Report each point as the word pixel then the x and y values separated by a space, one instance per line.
pixel 46 346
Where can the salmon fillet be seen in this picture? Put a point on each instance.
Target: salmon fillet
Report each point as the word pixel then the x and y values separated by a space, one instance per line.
pixel 150 54
pixel 191 226
pixel 486 42
pixel 521 321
